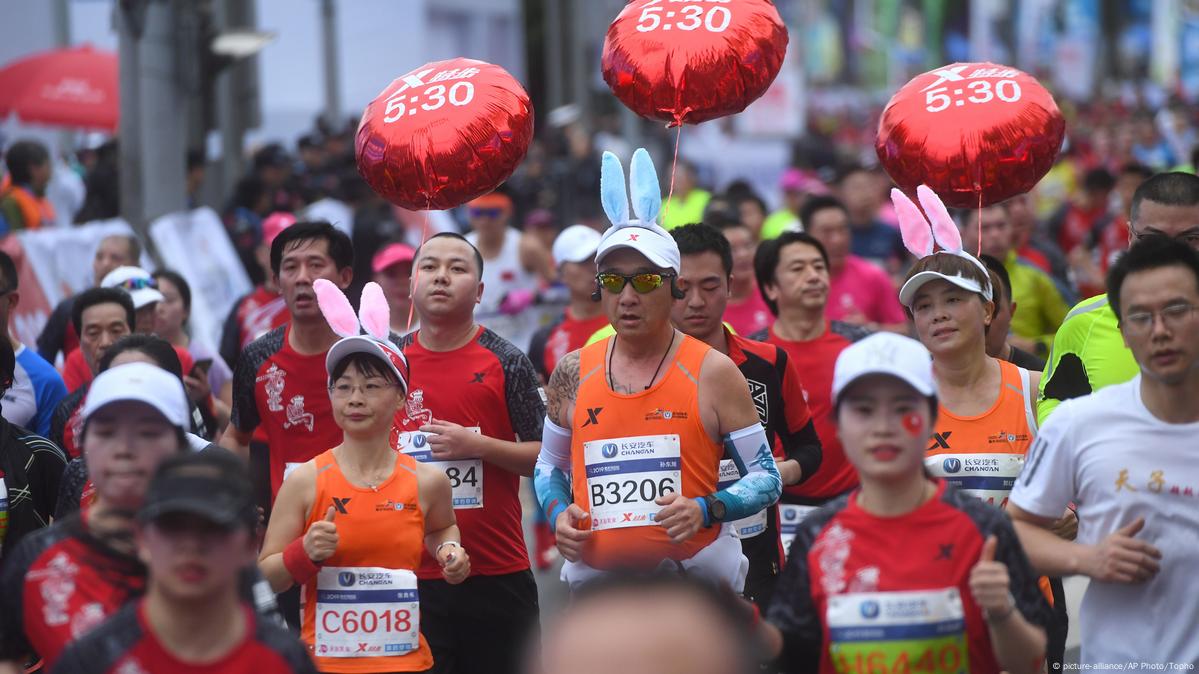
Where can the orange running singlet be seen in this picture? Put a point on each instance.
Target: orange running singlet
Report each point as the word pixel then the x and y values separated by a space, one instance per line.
pixel 983 455
pixel 627 450
pixel 362 611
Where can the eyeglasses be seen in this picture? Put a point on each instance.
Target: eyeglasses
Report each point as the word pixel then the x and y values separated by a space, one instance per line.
pixel 486 212
pixel 1173 317
pixel 137 284
pixel 642 283
pixel 369 389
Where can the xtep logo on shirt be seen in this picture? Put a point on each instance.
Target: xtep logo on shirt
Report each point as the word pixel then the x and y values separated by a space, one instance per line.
pixel 940 441
pixel 340 504
pixel 592 416
pixel 478 378
pixel 946 551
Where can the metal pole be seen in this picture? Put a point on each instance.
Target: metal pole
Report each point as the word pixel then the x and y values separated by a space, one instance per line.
pixel 553 52
pixel 332 74
pixel 154 117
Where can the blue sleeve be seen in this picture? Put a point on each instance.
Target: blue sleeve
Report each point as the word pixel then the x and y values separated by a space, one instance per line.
pixel 48 390
pixel 760 484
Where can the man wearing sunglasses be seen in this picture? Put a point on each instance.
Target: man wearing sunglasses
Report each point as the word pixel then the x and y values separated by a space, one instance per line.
pixel 515 264
pixel 1088 350
pixel 641 420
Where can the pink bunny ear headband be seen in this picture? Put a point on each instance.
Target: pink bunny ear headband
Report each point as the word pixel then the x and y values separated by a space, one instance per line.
pixel 374 317
pixel 921 235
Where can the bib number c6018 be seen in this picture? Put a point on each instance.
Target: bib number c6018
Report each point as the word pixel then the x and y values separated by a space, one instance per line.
pixel 466 476
pixel 366 612
pixel 626 475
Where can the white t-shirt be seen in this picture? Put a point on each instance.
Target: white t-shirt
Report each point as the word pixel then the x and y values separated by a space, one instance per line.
pixel 1109 455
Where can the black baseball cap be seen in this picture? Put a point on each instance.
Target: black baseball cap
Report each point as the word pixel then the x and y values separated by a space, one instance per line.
pixel 213 484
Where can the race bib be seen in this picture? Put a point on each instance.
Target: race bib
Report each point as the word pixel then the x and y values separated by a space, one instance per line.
pixel 750 526
pixel 366 612
pixel 917 631
pixel 789 518
pixel 466 475
pixel 987 477
pixel 626 475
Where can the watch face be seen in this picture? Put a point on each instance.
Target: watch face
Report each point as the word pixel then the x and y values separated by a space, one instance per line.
pixel 718 509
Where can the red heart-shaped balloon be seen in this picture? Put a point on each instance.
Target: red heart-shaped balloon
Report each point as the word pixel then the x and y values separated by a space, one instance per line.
pixel 968 130
pixel 444 134
pixel 694 60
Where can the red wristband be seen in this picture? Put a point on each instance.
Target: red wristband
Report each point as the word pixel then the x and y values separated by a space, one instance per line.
pixel 297 562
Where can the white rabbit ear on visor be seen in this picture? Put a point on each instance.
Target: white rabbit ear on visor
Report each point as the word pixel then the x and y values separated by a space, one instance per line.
pixel 642 234
pixel 921 237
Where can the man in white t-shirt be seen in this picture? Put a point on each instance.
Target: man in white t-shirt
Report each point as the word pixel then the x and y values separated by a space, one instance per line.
pixel 1128 457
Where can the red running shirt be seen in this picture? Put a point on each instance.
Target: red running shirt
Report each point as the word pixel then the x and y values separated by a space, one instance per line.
pixel 816 359
pixel 489 384
pixel 862 593
pixel 127 645
pixel 287 394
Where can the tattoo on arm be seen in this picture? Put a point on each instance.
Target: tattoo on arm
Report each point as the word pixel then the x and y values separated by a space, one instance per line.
pixel 563 387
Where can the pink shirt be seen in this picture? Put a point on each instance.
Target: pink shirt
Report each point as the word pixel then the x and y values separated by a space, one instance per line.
pixel 749 316
pixel 862 288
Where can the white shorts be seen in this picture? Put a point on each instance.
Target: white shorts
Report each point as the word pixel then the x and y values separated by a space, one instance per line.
pixel 720 562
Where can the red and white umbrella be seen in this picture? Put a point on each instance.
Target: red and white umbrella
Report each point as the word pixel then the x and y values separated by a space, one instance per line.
pixel 76 87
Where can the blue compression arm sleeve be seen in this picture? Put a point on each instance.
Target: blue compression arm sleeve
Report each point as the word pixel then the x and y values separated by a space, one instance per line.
pixel 550 476
pixel 760 484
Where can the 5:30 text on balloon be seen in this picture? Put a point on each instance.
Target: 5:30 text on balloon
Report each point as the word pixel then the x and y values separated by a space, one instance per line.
pixel 458 95
pixel 981 91
pixel 693 17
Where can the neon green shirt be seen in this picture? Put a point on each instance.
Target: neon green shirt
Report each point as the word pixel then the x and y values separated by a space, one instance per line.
pixel 777 223
pixel 677 212
pixel 1088 354
pixel 1040 306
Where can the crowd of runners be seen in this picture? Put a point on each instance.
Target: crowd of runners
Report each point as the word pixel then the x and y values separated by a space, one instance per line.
pixel 734 483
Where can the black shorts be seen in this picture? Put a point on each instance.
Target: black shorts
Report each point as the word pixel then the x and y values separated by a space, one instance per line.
pixel 765 555
pixel 483 626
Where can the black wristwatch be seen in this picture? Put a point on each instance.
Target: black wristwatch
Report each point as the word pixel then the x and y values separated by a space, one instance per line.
pixel 716 509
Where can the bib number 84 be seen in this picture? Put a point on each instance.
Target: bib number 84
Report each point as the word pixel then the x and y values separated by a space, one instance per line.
pixel 631 491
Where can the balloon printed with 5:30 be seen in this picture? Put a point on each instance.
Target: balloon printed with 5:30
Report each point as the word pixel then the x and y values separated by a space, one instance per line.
pixel 443 134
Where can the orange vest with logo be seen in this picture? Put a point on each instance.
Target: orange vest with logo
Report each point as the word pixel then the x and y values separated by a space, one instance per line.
pixel 376 528
pixel 627 450
pixel 35 211
pixel 983 455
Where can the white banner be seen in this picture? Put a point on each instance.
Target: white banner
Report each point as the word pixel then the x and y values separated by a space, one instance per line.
pixel 62 258
pixel 195 244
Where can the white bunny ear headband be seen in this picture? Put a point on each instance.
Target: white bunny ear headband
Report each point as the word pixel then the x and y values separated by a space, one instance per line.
pixel 374 317
pixel 643 234
pixel 920 236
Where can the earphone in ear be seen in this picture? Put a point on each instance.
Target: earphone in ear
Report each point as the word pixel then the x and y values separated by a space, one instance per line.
pixel 595 296
pixel 674 289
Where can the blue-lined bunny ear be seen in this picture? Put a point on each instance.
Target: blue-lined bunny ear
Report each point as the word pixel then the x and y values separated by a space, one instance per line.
pixel 613 194
pixel 647 194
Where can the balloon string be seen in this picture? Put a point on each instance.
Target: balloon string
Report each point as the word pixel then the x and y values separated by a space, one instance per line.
pixel 980 224
pixel 424 236
pixel 673 165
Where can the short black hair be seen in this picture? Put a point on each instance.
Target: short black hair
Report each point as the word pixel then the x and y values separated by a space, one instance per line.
pixel 93 296
pixel 1137 169
pixel 176 279
pixel 700 238
pixel 851 168
pixel 158 349
pixel 196 158
pixel 997 267
pixel 1148 253
pixel 723 603
pixel 819 203
pixel 766 260
pixel 368 365
pixel 21 158
pixel 1098 180
pixel 8 269
pixel 341 249
pixel 457 237
pixel 1173 188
